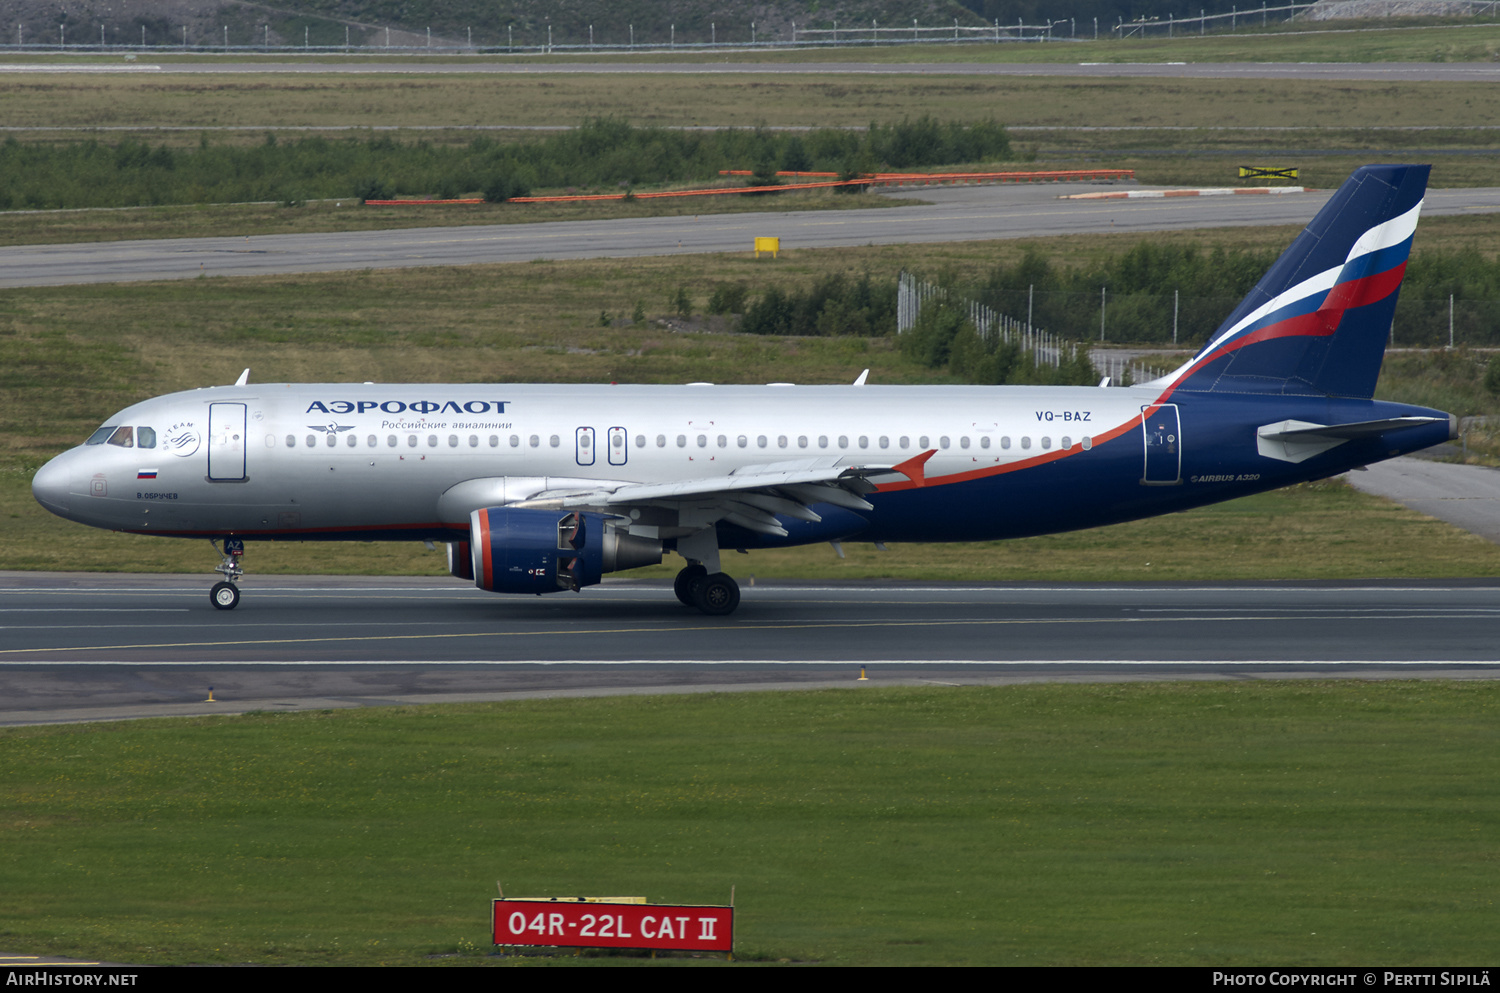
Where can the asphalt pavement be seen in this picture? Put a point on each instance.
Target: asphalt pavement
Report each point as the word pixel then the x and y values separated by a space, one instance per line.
pixel 90 647
pixel 947 214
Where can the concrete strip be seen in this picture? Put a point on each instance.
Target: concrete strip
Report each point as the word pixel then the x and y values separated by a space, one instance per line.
pixel 1465 496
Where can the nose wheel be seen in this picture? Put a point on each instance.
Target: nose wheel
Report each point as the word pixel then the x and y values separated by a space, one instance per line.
pixel 226 595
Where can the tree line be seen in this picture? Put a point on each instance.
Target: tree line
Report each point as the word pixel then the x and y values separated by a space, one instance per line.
pixel 602 153
pixel 1160 294
pixel 1139 290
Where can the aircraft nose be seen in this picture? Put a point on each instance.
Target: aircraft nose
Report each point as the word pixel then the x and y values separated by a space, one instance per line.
pixel 50 486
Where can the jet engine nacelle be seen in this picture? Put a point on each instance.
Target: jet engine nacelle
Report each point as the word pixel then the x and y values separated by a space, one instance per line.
pixel 460 562
pixel 544 551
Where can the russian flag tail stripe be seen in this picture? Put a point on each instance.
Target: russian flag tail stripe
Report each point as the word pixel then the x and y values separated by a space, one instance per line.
pixel 1318 321
pixel 1363 291
pixel 1379 260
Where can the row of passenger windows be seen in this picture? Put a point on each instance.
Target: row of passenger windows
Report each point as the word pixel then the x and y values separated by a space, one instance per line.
pixel 412 441
pixel 702 441
pixel 924 442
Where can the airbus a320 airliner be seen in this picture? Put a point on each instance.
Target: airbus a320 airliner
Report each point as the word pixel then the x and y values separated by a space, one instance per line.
pixel 537 489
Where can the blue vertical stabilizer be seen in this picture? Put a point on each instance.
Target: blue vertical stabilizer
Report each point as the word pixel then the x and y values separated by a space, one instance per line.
pixel 1318 322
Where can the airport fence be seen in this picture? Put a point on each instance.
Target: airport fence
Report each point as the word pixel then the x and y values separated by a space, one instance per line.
pixel 332 37
pixel 993 327
pixel 1107 321
pixel 1176 320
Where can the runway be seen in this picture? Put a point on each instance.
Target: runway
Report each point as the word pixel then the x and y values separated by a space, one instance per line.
pixel 949 214
pixel 80 647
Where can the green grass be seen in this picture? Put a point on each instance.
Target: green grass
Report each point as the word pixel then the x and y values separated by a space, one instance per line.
pixel 1175 824
pixel 454 101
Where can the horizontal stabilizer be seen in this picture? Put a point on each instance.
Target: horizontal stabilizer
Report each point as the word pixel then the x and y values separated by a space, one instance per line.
pixel 1297 441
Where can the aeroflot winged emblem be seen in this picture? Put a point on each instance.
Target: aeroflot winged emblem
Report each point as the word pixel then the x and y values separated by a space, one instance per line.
pixel 332 430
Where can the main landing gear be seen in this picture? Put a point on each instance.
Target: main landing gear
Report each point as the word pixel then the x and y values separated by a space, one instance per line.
pixel 716 594
pixel 226 595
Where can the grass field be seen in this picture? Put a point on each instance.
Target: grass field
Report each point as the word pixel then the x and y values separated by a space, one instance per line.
pixel 1163 824
pixel 1193 132
pixel 793 100
pixel 1171 132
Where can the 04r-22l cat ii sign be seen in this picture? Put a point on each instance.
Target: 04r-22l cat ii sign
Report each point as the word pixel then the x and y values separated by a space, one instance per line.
pixel 539 489
pixel 598 924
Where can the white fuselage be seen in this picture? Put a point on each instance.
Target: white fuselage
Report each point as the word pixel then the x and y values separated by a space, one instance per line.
pixel 316 460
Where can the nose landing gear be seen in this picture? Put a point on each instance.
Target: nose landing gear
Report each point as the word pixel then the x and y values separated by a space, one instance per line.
pixel 226 595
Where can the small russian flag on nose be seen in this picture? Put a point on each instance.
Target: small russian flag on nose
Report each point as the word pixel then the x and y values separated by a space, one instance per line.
pixel 146 474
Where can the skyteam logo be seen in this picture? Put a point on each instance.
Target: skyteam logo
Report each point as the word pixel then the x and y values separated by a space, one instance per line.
pixel 408 406
pixel 182 439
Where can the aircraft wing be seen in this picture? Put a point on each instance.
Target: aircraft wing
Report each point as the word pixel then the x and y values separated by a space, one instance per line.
pixel 751 496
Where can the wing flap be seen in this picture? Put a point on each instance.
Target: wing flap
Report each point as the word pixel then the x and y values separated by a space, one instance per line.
pixel 751 497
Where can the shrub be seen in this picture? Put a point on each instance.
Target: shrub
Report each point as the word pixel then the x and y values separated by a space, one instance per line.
pixel 727 299
pixel 1492 375
pixel 372 189
pixel 930 340
pixel 502 188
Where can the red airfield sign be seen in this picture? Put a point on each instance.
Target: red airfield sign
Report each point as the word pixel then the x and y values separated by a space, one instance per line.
pixel 575 924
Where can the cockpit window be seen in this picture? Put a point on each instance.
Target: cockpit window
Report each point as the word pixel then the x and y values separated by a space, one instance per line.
pixel 98 437
pixel 124 437
pixel 145 437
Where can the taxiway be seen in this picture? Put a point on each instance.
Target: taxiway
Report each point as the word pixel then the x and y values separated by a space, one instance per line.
pixel 948 214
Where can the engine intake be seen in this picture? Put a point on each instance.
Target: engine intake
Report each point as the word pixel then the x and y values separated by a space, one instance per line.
pixel 544 551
